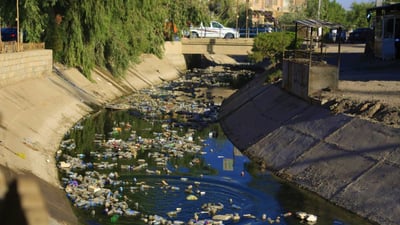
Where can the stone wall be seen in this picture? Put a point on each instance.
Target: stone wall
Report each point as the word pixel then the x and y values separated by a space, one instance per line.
pixel 18 66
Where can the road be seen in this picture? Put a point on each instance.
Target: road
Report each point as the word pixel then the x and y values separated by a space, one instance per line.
pixel 357 66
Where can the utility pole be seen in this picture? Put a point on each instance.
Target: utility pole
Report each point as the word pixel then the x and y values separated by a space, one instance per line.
pixel 319 10
pixel 247 18
pixel 1 25
pixel 237 15
pixel 319 28
pixel 17 27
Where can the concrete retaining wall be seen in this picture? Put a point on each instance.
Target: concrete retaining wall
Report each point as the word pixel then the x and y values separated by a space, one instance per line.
pixel 24 65
pixel 351 162
pixel 304 80
pixel 38 107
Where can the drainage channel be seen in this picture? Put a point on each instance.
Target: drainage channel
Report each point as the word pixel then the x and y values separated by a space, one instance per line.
pixel 159 156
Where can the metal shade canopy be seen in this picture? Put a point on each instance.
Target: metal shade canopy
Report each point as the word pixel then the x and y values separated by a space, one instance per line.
pixel 318 23
pixel 315 24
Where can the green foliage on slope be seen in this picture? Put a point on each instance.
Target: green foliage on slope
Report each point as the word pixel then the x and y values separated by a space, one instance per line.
pixel 111 34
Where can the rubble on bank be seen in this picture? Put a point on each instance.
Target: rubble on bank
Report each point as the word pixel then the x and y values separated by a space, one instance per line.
pixel 374 110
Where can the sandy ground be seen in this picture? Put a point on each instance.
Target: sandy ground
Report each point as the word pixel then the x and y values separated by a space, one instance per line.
pixel 377 101
pixel 368 87
pixel 386 92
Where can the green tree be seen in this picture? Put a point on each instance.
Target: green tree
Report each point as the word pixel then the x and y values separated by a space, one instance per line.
pixel 32 20
pixel 314 11
pixel 242 16
pixel 272 46
pixel 110 34
pixel 53 36
pixel 390 1
pixel 195 12
pixel 285 22
pixel 335 13
pixel 223 10
pixel 182 13
pixel 357 14
pixel 328 11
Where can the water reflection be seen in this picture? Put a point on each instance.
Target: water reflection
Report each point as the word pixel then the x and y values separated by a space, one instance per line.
pixel 136 167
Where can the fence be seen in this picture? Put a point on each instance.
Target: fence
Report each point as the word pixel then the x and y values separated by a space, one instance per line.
pixel 11 46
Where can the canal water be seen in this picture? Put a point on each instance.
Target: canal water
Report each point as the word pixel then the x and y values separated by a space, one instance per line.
pixel 150 163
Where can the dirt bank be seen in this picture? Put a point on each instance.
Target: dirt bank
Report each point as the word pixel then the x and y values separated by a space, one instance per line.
pixel 369 87
pixel 37 112
pixel 377 101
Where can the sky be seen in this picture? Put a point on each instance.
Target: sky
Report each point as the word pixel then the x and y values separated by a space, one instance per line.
pixel 347 3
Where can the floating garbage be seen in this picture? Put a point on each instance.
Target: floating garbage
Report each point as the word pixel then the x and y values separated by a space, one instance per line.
pixel 301 215
pixel 224 217
pixel 212 208
pixel 178 110
pixel 114 218
pixel 309 218
pixel 131 212
pixel 64 165
pixel 250 216
pixel 192 197
pixel 236 207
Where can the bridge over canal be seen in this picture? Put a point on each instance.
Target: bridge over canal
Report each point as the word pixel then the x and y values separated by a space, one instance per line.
pixel 239 46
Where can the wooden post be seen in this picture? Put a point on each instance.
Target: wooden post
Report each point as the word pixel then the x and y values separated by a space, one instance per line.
pixel 18 48
pixel 247 18
pixel 237 15
pixel 339 59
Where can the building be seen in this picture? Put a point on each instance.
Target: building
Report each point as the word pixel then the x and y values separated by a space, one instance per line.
pixel 263 12
pixel 386 22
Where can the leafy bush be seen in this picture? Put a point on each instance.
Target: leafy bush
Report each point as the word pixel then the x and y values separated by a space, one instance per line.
pixel 108 34
pixel 272 46
pixel 273 75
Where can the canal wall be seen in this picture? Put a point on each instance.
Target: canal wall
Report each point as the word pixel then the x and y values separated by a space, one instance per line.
pixel 351 162
pixel 40 102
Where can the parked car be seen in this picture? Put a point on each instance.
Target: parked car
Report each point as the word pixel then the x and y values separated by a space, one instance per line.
pixel 333 36
pixel 254 31
pixel 213 30
pixel 360 35
pixel 8 34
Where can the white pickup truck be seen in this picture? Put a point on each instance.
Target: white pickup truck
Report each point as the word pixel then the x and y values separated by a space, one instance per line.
pixel 214 30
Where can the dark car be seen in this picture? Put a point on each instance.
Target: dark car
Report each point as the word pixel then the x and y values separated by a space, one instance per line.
pixel 360 35
pixel 8 34
pixel 333 36
pixel 252 32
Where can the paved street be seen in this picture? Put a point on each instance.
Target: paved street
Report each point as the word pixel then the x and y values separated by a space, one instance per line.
pixel 355 65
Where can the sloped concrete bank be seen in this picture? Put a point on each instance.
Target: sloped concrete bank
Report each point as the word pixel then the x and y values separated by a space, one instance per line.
pixel 38 110
pixel 351 162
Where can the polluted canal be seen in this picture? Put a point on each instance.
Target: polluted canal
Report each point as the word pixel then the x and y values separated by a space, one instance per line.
pixel 159 156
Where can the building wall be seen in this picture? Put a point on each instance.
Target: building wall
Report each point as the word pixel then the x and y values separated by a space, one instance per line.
pixel 275 7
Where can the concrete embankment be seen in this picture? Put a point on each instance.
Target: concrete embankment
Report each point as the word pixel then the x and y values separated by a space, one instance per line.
pixel 39 105
pixel 351 162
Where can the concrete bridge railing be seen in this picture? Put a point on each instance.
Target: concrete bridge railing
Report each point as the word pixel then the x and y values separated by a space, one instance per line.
pixel 240 46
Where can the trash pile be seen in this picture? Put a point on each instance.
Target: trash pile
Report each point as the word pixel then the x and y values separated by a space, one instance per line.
pixel 95 180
